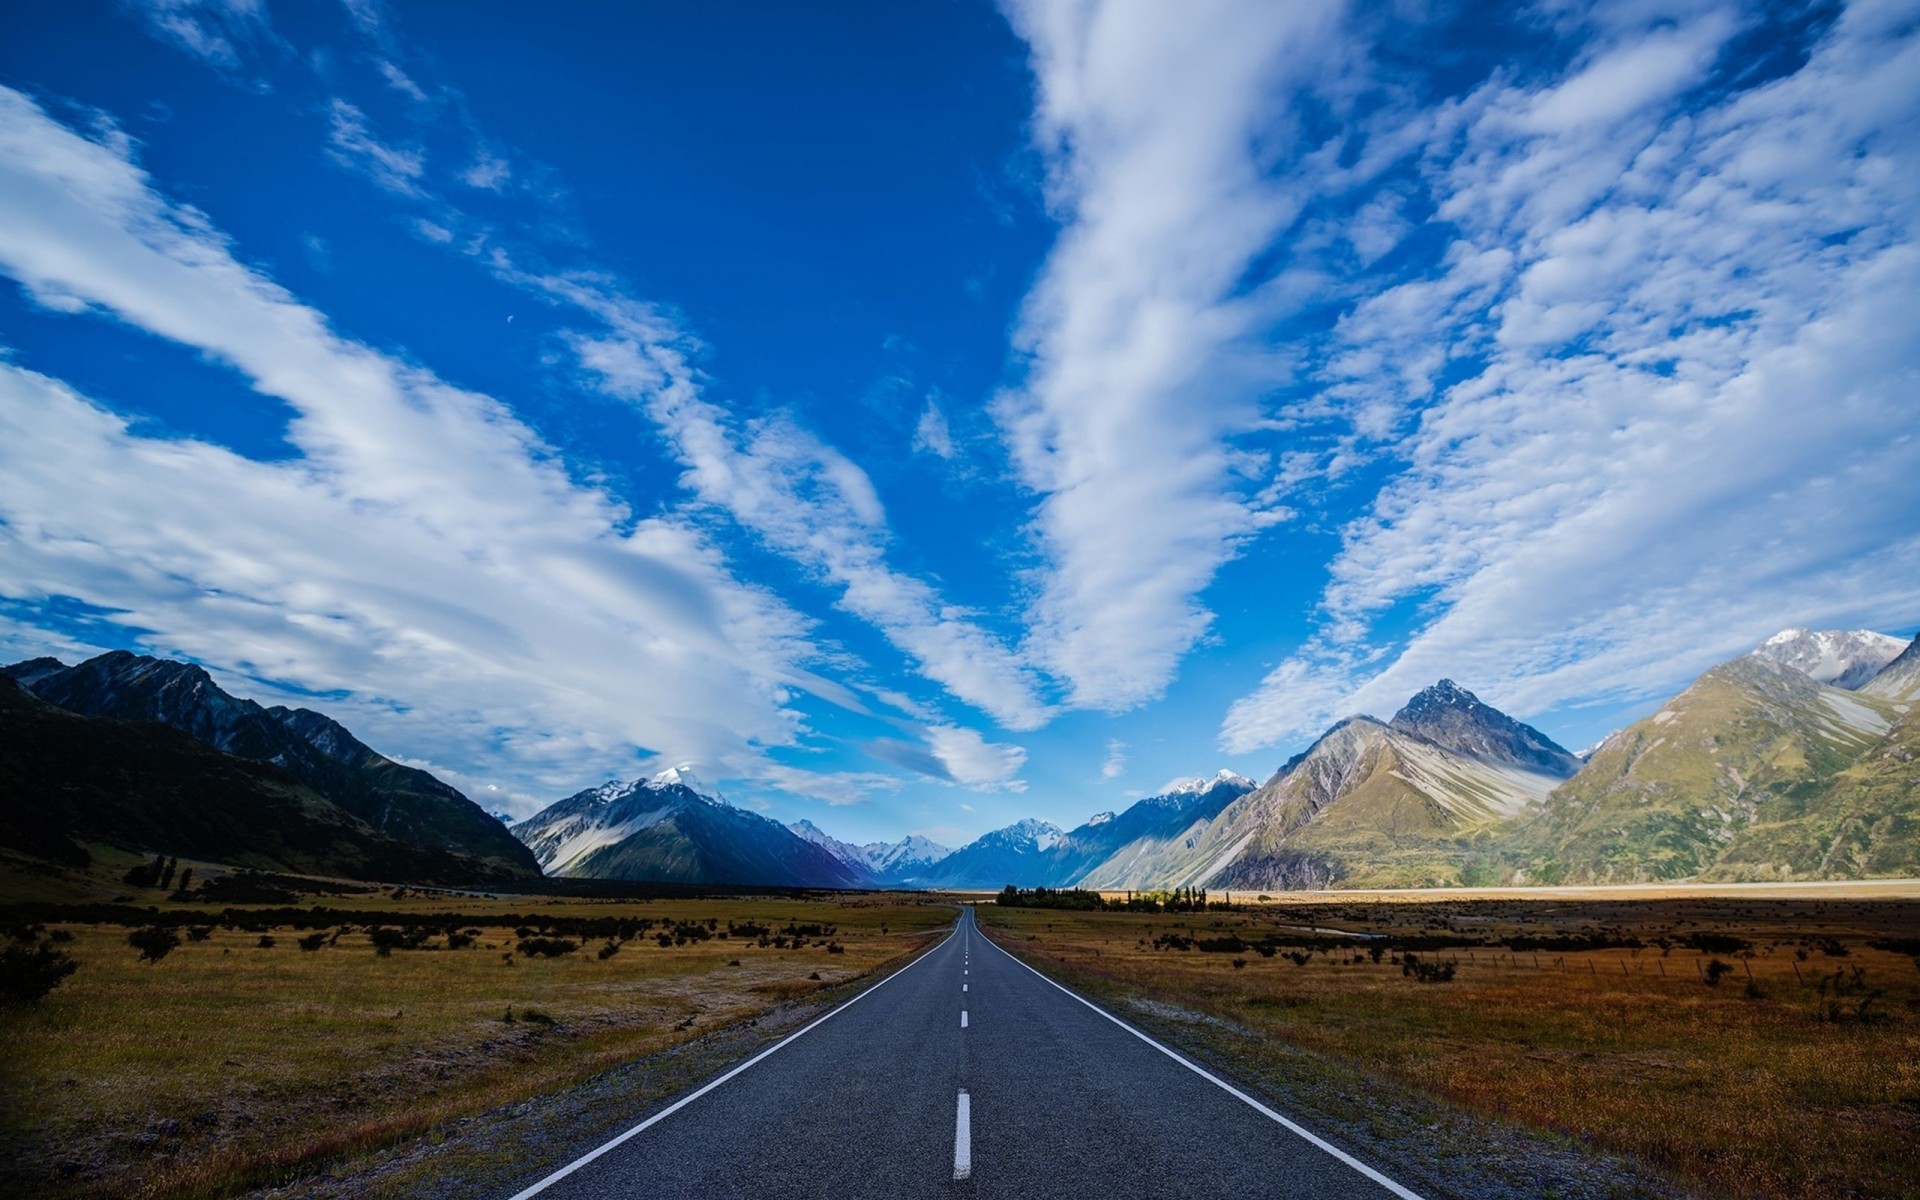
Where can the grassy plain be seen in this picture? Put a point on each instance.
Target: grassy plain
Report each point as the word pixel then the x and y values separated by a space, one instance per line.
pixel 1797 1074
pixel 232 1063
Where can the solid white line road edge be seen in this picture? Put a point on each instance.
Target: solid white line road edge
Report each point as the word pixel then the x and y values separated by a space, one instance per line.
pixel 963 1137
pixel 681 1103
pixel 1223 1085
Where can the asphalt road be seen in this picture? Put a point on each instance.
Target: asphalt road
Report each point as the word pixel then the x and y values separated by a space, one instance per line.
pixel 1059 1101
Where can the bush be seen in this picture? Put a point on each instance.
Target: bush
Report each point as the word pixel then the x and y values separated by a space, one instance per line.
pixel 313 941
pixel 1426 970
pixel 27 975
pixel 154 942
pixel 199 933
pixel 266 942
pixel 609 950
pixel 546 948
pixel 1715 971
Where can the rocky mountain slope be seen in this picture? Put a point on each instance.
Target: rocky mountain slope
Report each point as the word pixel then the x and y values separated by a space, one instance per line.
pixel 887 864
pixel 67 779
pixel 1017 852
pixel 671 829
pixel 1842 658
pixel 402 802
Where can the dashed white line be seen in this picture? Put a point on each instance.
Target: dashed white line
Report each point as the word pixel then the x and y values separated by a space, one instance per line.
pixel 963 987
pixel 963 1139
pixel 963 1018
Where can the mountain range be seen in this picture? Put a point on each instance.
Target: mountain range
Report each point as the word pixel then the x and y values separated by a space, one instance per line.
pixel 151 754
pixel 1795 761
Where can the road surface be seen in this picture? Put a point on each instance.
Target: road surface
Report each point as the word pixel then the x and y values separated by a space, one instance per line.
pixel 965 1073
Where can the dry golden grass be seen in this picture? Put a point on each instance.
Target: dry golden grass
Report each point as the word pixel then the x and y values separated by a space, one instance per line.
pixel 228 1065
pixel 1735 1091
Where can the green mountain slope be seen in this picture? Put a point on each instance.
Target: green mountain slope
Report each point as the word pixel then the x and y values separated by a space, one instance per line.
pixel 1751 743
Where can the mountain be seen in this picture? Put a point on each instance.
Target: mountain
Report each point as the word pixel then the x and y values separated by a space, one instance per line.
pixel 1899 680
pixel 1014 854
pixel 403 802
pixel 1751 746
pixel 1452 718
pixel 670 829
pixel 903 862
pixel 67 779
pixel 1417 801
pixel 1111 850
pixel 853 856
pixel 1842 658
pixel 888 864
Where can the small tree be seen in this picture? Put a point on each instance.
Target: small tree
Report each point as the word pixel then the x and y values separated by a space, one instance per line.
pixel 154 942
pixel 27 975
pixel 166 874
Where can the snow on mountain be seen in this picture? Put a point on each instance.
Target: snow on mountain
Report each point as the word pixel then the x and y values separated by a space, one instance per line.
pixel 905 859
pixel 1899 680
pixel 1842 658
pixel 1205 783
pixel 853 856
pixel 562 835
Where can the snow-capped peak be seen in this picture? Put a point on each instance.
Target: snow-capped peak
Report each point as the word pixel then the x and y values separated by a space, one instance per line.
pixel 1203 783
pixel 682 776
pixel 1843 658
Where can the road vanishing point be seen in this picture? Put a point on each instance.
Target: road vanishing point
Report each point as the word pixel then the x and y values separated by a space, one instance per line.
pixel 966 1073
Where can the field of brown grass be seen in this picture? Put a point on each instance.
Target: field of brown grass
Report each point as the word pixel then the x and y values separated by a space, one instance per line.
pixel 1796 1074
pixel 242 1059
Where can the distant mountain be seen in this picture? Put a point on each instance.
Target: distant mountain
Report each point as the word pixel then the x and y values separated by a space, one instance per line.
pixel 403 802
pixel 1117 851
pixel 1708 782
pixel 67 779
pixel 906 861
pixel 1842 658
pixel 1010 855
pixel 887 864
pixel 1899 680
pixel 1406 803
pixel 853 856
pixel 671 829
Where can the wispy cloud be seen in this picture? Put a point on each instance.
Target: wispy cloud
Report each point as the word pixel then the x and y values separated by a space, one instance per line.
pixel 215 31
pixel 1116 764
pixel 353 145
pixel 1684 407
pixel 1160 124
pixel 424 545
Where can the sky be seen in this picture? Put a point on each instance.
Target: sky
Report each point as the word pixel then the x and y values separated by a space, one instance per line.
pixel 920 417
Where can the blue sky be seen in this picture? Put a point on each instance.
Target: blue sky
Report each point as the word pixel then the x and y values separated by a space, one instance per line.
pixel 924 416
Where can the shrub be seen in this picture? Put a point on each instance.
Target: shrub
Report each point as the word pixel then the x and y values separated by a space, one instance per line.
pixel 534 1016
pixel 266 942
pixel 1715 971
pixel 609 950
pixel 1239 964
pixel 314 941
pixel 1426 970
pixel 546 948
pixel 27 975
pixel 154 942
pixel 199 933
pixel 456 940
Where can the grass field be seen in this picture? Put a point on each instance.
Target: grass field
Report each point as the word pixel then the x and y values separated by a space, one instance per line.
pixel 1797 1074
pixel 232 1063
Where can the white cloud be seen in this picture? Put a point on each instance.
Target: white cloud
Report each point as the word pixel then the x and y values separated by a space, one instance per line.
pixel 1116 764
pixel 400 81
pixel 811 503
pixel 211 30
pixel 353 145
pixel 931 433
pixel 1159 124
pixel 972 761
pixel 1692 420
pixel 424 552
pixel 488 171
